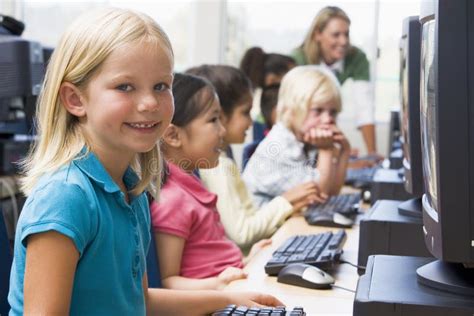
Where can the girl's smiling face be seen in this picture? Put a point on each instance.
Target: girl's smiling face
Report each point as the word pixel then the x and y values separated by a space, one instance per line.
pixel 202 138
pixel 238 122
pixel 128 103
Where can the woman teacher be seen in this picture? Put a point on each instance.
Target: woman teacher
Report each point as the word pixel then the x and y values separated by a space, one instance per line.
pixel 327 43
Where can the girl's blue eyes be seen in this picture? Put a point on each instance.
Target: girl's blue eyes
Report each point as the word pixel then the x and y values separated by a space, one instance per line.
pixel 318 111
pixel 161 86
pixel 124 87
pixel 128 87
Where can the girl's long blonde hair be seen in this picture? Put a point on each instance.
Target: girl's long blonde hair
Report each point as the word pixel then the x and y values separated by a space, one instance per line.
pixel 85 45
pixel 310 47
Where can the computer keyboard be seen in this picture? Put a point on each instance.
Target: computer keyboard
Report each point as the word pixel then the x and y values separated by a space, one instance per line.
pixel 259 311
pixel 322 250
pixel 337 211
pixel 360 177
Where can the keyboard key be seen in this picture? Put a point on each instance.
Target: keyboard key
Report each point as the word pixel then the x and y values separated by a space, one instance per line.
pixel 325 255
pixel 265 311
pixel 278 260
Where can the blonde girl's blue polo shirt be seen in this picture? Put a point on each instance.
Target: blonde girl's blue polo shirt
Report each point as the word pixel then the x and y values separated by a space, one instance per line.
pixel 82 202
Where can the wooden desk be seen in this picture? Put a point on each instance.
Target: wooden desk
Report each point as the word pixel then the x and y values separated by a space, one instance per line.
pixel 315 302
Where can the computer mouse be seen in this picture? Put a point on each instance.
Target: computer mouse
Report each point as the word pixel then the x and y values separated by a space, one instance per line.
pixel 350 212
pixel 305 275
pixel 330 220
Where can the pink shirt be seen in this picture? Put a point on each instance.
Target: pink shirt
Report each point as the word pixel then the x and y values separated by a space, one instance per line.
pixel 188 210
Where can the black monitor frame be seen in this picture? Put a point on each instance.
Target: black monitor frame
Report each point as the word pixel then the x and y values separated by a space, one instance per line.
pixel 449 225
pixel 448 204
pixel 410 48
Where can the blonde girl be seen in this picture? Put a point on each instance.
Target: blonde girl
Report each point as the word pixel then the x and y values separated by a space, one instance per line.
pixel 83 234
pixel 305 144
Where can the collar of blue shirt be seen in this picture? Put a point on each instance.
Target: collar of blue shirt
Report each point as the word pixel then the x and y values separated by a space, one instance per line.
pixel 89 164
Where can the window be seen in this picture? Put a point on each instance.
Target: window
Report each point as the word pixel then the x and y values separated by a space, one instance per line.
pixel 46 20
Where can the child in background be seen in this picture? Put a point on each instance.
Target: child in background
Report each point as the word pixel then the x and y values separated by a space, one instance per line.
pixel 244 223
pixel 268 103
pixel 263 69
pixel 83 234
pixel 191 243
pixel 305 144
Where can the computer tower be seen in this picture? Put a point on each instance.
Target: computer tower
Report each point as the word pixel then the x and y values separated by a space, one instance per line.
pixel 389 287
pixel 388 184
pixel 384 231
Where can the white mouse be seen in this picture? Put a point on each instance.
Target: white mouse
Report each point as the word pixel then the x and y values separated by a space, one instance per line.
pixel 305 275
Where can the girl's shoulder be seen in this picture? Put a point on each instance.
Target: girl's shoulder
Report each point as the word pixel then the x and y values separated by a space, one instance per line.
pixel 62 179
pixel 61 201
pixel 65 188
pixel 183 189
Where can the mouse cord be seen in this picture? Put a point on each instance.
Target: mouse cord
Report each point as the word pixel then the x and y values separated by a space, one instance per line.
pixel 352 264
pixel 342 288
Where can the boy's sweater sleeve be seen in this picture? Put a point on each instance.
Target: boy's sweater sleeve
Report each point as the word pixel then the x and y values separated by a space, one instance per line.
pixel 243 223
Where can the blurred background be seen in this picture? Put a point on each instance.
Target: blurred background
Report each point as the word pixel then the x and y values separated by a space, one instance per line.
pixel 219 31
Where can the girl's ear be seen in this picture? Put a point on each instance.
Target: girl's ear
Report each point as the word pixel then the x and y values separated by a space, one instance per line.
pixel 71 98
pixel 172 136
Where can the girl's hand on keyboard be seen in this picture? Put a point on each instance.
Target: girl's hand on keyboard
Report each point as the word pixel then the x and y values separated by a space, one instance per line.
pixel 259 245
pixel 252 299
pixel 304 194
pixel 228 275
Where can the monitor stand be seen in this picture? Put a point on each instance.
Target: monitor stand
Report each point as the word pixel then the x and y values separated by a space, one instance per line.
pixel 390 287
pixel 385 231
pixel 388 184
pixel 446 276
pixel 411 207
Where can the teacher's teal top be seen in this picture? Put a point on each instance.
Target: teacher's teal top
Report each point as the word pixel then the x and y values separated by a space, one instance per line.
pixel 356 64
pixel 82 202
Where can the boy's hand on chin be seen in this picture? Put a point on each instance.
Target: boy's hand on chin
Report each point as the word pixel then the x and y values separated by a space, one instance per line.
pixel 340 138
pixel 320 137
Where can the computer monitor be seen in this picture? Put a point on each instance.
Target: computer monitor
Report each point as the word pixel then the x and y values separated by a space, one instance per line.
pixel 447 140
pixel 47 52
pixel 394 131
pixel 410 114
pixel 20 82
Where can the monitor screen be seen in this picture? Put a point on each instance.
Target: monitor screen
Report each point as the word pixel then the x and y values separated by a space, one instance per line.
pixel 429 141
